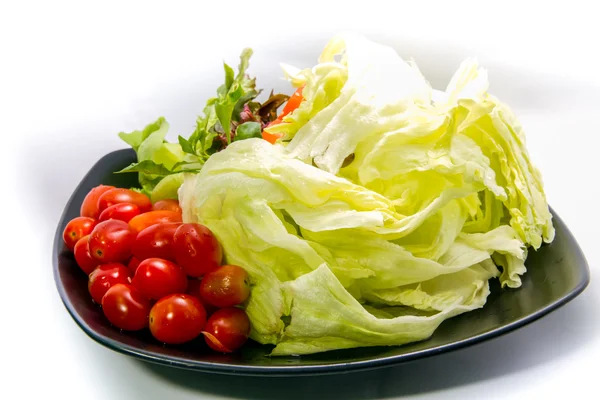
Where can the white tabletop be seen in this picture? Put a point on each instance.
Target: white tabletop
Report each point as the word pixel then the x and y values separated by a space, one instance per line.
pixel 73 75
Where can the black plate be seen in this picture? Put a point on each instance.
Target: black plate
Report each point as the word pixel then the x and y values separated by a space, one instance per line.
pixel 556 274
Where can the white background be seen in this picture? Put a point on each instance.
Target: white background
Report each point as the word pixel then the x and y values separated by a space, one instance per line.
pixel 73 75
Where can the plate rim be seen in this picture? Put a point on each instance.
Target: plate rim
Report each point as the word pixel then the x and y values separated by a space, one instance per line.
pixel 295 370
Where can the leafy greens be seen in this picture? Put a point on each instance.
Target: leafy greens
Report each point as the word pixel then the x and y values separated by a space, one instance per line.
pixel 386 208
pixel 161 165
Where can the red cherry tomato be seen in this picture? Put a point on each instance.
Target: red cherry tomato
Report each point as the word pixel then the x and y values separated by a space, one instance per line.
pixel 119 195
pixel 121 211
pixel 125 307
pixel 111 241
pixel 193 288
pixel 83 257
pixel 106 276
pixel 168 205
pixel 177 318
pixel 156 241
pixel 156 278
pixel 227 330
pixel 228 286
pixel 133 264
pixel 76 229
pixel 197 249
pixel 89 207
pixel 143 221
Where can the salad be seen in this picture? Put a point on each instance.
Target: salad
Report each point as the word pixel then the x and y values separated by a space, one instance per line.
pixel 363 209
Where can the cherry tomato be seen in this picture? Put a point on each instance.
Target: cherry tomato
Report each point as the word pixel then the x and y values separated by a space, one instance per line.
pixel 167 204
pixel 193 288
pixel 177 318
pixel 125 307
pixel 156 241
pixel 119 195
pixel 76 229
pixel 83 257
pixel 106 276
pixel 227 330
pixel 292 103
pixel 142 221
pixel 111 241
pixel 156 278
pixel 133 264
pixel 197 249
pixel 228 286
pixel 121 211
pixel 89 207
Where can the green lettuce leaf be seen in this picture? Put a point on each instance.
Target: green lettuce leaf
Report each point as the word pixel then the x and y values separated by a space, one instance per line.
pixel 466 142
pixel 324 316
pixel 168 187
pixel 160 163
pixel 283 220
pixel 156 157
pixel 385 209
pixel 234 94
pixel 135 138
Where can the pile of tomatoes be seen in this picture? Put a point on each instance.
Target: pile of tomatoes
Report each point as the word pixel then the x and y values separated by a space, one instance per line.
pixel 148 269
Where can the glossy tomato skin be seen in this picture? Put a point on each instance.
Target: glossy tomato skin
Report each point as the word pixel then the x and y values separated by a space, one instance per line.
pixel 227 330
pixel 120 195
pixel 177 318
pixel 168 205
pixel 82 255
pixel 133 264
pixel 76 229
pixel 89 207
pixel 193 288
pixel 197 250
pixel 125 307
pixel 156 241
pixel 227 286
pixel 111 241
pixel 145 220
pixel 121 211
pixel 106 276
pixel 156 278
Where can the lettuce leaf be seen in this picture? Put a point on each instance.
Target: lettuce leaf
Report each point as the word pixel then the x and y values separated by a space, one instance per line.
pixel 156 158
pixel 324 316
pixel 161 165
pixel 135 138
pixel 398 136
pixel 385 209
pixel 283 219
